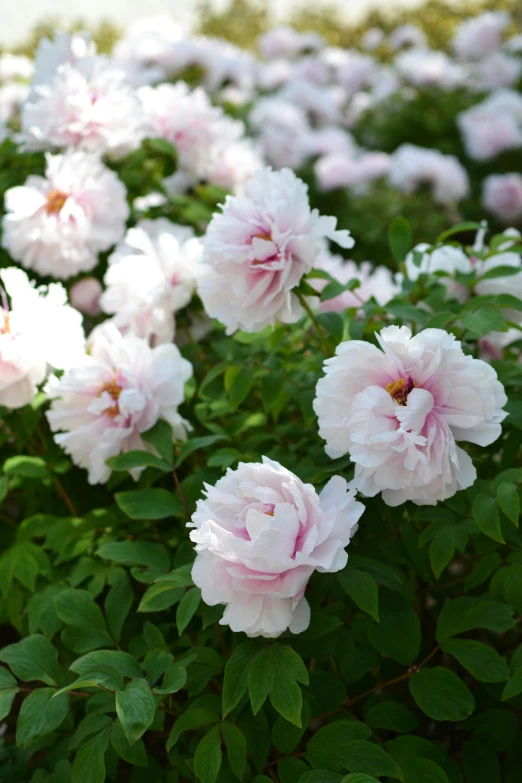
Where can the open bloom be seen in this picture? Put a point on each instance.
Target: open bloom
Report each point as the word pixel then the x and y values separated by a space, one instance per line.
pixel 413 166
pixel 493 126
pixel 374 281
pixel 38 329
pixel 58 224
pixel 260 533
pixel 152 273
pixel 481 35
pixel 113 394
pixel 502 196
pixel 399 411
pixel 259 248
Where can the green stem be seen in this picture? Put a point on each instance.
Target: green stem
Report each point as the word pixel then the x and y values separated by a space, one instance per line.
pixel 318 328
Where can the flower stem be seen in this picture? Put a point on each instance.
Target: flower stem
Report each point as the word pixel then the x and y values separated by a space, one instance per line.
pixel 318 328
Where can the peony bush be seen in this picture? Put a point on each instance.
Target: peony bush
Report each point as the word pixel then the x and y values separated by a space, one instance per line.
pixel 261 408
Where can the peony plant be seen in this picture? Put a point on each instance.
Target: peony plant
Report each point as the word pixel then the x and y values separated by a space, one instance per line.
pixel 261 408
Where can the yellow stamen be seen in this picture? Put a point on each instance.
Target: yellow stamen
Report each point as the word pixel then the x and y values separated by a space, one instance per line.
pixel 398 390
pixel 55 201
pixel 114 390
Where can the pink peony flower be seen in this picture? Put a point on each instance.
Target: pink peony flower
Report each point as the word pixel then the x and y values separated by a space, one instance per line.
pixel 119 390
pixel 152 273
pixel 398 412
pixel 502 196
pixel 146 49
pixel 493 126
pixel 283 132
pixel 375 281
pixel 259 248
pixel 88 105
pixel 38 329
pixel 85 295
pixel 413 166
pixel 340 171
pixel 58 224
pixel 260 533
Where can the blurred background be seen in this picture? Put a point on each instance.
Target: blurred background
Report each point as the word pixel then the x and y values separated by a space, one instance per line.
pixel 23 15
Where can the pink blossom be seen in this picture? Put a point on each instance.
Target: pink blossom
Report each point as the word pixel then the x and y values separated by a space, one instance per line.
pixel 259 248
pixel 103 404
pixel 85 295
pixel 260 533
pixel 481 35
pixel 58 224
pixel 398 412
pixel 338 170
pixel 502 196
pixel 374 281
pixel 413 166
pixel 493 126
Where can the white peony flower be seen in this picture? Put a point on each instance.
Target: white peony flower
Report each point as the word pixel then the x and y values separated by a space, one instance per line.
pixel 259 248
pixel 425 67
pixel 146 49
pixel 502 196
pixel 493 126
pixel 448 259
pixel 152 273
pixel 113 394
pixel 481 35
pixel 413 166
pixel 87 105
pixel 58 224
pixel 511 284
pixel 398 412
pixel 260 533
pixel 85 295
pixel 375 281
pixel 38 329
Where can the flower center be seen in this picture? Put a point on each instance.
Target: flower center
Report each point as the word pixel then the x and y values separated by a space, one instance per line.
pixel 5 328
pixel 399 390
pixel 114 389
pixel 266 234
pixel 55 201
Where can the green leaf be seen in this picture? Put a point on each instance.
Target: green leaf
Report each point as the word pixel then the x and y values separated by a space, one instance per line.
pixel 482 661
pixel 162 147
pixel 499 271
pixel 483 570
pixel 160 596
pixel 236 746
pixel 27 467
pixel 441 695
pixel 237 673
pixel 8 690
pixel 135 707
pixel 137 459
pixel 34 658
pixel 77 607
pixel 397 635
pixel 362 589
pixel 327 776
pixel 466 225
pixel 392 716
pixel 465 614
pixel 148 504
pixel 39 715
pixel 363 756
pixel 286 736
pixel 509 502
pixel 118 602
pixel 442 549
pixel 134 754
pixel 485 514
pixel 106 676
pixel 357 777
pixel 141 553
pixel 191 719
pixel 328 746
pixel 416 770
pixel 187 608
pixel 333 323
pixel 400 238
pixel 514 686
pixel 485 319
pixel 195 444
pixel 333 289
pixel 207 759
pixel 240 386
pixel 91 724
pixel 160 436
pixel 276 671
pixel 290 770
pixel 174 680
pixel 89 764
pixel 124 663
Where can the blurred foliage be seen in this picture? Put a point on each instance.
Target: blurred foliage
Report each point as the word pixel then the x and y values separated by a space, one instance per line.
pixel 105 34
